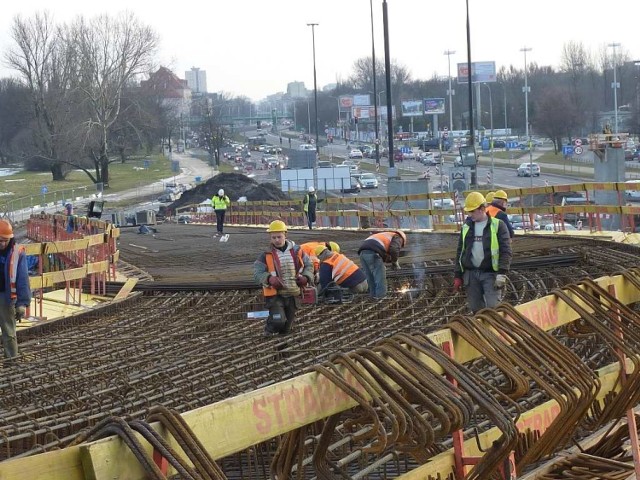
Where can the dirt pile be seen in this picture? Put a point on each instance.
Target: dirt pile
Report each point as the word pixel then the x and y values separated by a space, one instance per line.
pixel 235 185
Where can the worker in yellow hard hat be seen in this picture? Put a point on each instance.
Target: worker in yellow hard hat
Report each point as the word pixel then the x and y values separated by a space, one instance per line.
pixel 15 294
pixel 497 208
pixel 310 249
pixel 282 271
pixel 483 257
pixel 489 197
pixel 337 268
pixel 375 251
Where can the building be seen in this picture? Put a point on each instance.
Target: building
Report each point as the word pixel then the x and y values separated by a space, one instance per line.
pixel 297 90
pixel 173 91
pixel 196 79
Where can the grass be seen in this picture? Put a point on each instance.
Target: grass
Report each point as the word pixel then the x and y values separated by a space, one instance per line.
pixel 25 188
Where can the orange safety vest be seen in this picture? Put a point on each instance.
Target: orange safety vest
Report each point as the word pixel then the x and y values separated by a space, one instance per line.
pixel 383 238
pixel 310 249
pixel 493 210
pixel 268 290
pixel 341 267
pixel 13 269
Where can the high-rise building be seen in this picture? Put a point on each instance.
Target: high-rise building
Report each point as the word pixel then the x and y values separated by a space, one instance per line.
pixel 196 79
pixel 297 90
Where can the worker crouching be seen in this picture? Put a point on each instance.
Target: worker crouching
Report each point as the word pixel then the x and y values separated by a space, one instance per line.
pixel 282 271
pixel 374 252
pixel 337 268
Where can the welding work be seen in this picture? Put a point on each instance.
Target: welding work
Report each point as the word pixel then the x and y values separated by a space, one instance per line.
pixel 276 355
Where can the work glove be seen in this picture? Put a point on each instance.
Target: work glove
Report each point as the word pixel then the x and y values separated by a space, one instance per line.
pixel 457 284
pixel 395 265
pixel 21 312
pixel 275 282
pixel 501 281
pixel 301 281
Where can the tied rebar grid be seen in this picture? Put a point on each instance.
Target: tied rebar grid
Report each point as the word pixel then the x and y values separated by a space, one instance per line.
pixel 189 349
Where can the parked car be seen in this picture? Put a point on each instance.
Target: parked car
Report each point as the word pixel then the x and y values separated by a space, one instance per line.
pixel 528 170
pixel 427 158
pixel 499 144
pixel 353 168
pixel 559 227
pixel 443 202
pixel 523 222
pixel 324 164
pixel 368 180
pixel 353 188
pixel 355 153
pixel 633 195
pixel 408 155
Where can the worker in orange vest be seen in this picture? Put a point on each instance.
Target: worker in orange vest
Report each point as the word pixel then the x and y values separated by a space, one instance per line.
pixel 14 285
pixel 497 208
pixel 337 268
pixel 374 252
pixel 282 271
pixel 310 249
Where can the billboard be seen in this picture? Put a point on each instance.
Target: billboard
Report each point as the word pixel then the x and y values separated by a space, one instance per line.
pixel 481 72
pixel 412 108
pixel 433 106
pixel 368 112
pixel 361 100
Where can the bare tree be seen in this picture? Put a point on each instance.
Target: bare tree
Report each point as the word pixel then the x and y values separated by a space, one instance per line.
pixel 113 52
pixel 556 114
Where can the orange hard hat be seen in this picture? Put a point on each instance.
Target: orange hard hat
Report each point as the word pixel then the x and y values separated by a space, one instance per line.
pixel 6 230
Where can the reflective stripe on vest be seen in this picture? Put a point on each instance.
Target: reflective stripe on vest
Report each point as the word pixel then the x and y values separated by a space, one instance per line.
pixel 495 246
pixel 13 269
pixel 383 238
pixel 341 267
pixel 268 290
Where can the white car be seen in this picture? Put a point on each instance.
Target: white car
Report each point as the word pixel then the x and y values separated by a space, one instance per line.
pixel 353 168
pixel 368 180
pixel 355 153
pixel 550 227
pixel 633 194
pixel 443 202
pixel 528 170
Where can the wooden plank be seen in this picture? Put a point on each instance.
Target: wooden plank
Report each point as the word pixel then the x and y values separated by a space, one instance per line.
pixel 65 246
pixel 126 289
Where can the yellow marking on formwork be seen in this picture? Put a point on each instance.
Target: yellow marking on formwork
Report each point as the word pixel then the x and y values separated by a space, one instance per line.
pixel 85 299
pixel 65 246
pixel 126 289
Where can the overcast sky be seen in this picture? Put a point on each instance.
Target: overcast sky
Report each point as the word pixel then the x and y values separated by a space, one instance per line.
pixel 255 47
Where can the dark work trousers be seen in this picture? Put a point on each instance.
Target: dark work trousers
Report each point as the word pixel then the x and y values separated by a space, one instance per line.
pixel 311 217
pixel 220 220
pixel 8 326
pixel 282 313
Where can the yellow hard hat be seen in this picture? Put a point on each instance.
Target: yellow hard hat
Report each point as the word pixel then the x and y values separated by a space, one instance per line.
pixel 318 250
pixel 474 200
pixel 334 247
pixel 403 236
pixel 277 226
pixel 490 196
pixel 501 194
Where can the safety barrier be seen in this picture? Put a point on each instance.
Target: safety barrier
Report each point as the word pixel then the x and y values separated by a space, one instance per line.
pixel 70 252
pixel 396 211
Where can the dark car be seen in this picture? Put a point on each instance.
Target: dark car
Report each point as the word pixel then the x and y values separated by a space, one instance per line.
pixel 354 188
pixel 499 144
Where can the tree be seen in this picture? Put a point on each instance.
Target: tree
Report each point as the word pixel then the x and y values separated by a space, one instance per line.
pixel 556 115
pixel 15 117
pixel 112 52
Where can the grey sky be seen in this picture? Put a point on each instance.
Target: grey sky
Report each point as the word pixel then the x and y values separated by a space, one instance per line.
pixel 255 47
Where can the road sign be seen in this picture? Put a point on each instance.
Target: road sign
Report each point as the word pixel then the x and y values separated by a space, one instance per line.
pixel 577 142
pixel 567 150
pixel 511 145
pixel 578 150
pixel 406 149
pixel 44 189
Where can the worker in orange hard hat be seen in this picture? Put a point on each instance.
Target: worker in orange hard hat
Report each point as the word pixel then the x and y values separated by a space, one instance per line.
pixel 375 251
pixel 14 285
pixel 283 270
pixel 483 257
pixel 497 208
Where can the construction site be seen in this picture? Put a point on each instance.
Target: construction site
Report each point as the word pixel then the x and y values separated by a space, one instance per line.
pixel 166 375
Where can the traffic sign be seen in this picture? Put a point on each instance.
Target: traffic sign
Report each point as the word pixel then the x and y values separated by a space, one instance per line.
pixel 511 145
pixel 567 150
pixel 577 142
pixel 406 149
pixel 578 150
pixel 44 189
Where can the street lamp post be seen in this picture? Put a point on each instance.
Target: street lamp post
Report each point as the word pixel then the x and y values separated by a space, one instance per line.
pixel 450 92
pixel 526 116
pixel 375 96
pixel 379 119
pixel 504 93
pixel 491 134
pixel 615 85
pixel 315 82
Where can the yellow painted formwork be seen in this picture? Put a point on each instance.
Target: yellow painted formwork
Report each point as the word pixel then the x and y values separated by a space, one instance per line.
pixel 235 424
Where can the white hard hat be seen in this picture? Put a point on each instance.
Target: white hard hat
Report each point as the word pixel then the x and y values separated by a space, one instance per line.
pixel 312 189
pixel 221 192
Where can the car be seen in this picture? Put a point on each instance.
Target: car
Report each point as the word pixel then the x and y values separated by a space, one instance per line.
pixel 368 180
pixel 353 188
pixel 457 162
pixel 408 155
pixel 499 144
pixel 633 195
pixel 324 164
pixel 353 168
pixel 428 158
pixel 271 161
pixel 443 202
pixel 550 227
pixel 528 169
pixel 355 153
pixel 523 222
pixel 628 154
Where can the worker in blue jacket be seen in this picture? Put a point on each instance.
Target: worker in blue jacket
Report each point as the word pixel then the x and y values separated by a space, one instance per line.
pixel 15 294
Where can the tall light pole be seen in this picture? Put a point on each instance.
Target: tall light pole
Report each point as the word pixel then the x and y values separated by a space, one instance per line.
pixel 375 95
pixel 491 135
pixel 450 92
pixel 315 82
pixel 526 116
pixel 615 85
pixel 504 92
pixel 380 116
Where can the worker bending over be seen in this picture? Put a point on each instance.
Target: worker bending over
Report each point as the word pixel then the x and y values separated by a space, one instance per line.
pixel 337 268
pixel 282 271
pixel 374 252
pixel 310 249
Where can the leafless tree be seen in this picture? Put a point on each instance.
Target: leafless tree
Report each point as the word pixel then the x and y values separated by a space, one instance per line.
pixel 113 51
pixel 556 114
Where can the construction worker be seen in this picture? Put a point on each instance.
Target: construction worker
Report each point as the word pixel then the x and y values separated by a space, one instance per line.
pixel 497 208
pixel 309 204
pixel 336 267
pixel 310 249
pixel 374 252
pixel 483 257
pixel 220 203
pixel 282 271
pixel 489 197
pixel 14 285
pixel 71 220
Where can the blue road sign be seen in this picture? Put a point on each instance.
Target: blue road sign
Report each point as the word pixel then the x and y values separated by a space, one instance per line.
pixel 405 149
pixel 44 189
pixel 146 163
pixel 512 144
pixel 567 150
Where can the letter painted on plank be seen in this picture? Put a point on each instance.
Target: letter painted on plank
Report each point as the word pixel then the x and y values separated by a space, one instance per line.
pixel 264 420
pixel 293 404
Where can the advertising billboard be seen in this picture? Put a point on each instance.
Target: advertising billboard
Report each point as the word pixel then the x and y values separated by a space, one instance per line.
pixel 433 106
pixel 481 72
pixel 368 112
pixel 346 102
pixel 412 108
pixel 361 100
